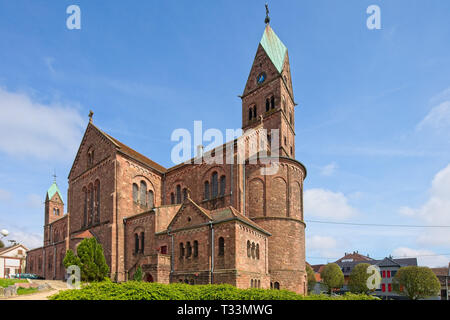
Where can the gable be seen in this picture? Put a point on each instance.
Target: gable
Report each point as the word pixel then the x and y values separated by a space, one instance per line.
pixel 93 140
pixel 261 64
pixel 189 215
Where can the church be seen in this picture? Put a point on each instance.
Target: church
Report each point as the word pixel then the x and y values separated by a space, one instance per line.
pixel 196 222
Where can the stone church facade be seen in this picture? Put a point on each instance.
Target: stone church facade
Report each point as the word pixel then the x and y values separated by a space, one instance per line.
pixel 192 223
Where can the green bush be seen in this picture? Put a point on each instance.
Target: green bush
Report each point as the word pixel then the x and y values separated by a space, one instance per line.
pixel 90 259
pixel 134 290
pixel 138 275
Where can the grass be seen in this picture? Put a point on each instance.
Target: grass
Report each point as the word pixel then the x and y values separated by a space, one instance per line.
pixel 22 291
pixel 9 282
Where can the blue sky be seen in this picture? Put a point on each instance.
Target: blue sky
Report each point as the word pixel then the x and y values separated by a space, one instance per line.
pixel 373 121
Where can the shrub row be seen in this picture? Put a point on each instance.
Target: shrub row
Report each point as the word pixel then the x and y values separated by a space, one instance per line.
pixel 155 291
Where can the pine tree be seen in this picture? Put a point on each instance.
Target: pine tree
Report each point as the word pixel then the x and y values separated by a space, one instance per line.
pixel 90 259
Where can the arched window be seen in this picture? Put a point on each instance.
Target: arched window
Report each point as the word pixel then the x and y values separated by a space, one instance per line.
pixel 178 194
pixel 136 243
pixel 290 117
pixel 188 249
pixel 97 201
pixel 272 102
pixel 254 111
pixel 135 193
pixel 151 199
pixel 143 197
pixel 85 209
pixel 250 114
pixel 221 246
pixel 185 194
pixel 54 211
pixel 181 250
pixel 214 186
pixel 257 251
pixel 172 198
pixel 253 250
pixel 251 283
pixel 259 283
pixel 206 190
pixel 142 242
pixel 283 102
pixel 248 248
pixel 223 181
pixel 91 204
pixel 195 249
pixel 267 105
pixel 276 286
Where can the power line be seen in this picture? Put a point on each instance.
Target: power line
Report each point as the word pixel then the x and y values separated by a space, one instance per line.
pixel 377 224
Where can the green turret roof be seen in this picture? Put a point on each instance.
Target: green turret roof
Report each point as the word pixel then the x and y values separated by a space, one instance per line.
pixel 52 190
pixel 274 48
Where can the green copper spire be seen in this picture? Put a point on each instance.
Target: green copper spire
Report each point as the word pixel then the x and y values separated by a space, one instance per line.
pixel 274 48
pixel 52 190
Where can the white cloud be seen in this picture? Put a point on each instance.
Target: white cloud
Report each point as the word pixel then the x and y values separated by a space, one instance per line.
pixel 322 203
pixel 30 240
pixel 329 169
pixel 437 118
pixel 424 257
pixel 435 211
pixel 45 131
pixel 321 242
pixel 5 195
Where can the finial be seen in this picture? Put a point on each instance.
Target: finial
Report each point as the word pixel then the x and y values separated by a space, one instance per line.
pixel 54 176
pixel 267 20
pixel 91 113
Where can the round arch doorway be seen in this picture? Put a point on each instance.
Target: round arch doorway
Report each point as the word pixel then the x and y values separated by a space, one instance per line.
pixel 148 278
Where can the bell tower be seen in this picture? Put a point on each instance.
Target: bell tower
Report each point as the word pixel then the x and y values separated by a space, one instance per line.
pixel 268 95
pixel 54 209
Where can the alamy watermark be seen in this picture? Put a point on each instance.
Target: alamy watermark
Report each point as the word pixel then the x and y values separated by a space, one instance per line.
pixel 254 146
pixel 374 20
pixel 374 280
pixel 74 277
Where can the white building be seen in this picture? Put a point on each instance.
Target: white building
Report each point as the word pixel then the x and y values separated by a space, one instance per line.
pixel 12 260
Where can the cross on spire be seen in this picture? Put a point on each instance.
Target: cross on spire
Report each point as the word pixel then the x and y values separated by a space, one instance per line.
pixel 267 20
pixel 54 176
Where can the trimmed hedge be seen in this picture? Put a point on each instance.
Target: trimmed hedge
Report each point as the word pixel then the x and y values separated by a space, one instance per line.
pixel 133 290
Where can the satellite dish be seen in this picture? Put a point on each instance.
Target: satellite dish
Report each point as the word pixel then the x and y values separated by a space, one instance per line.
pixel 4 232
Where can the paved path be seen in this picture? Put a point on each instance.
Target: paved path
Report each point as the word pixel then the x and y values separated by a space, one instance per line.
pixel 56 287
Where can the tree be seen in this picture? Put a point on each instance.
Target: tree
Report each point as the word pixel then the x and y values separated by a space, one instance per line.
pixel 71 259
pixel 2 245
pixel 416 282
pixel 332 276
pixel 311 278
pixel 358 278
pixel 138 275
pixel 90 259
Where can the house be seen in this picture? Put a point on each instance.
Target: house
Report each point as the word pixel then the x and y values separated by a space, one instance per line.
pixel 12 260
pixel 443 274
